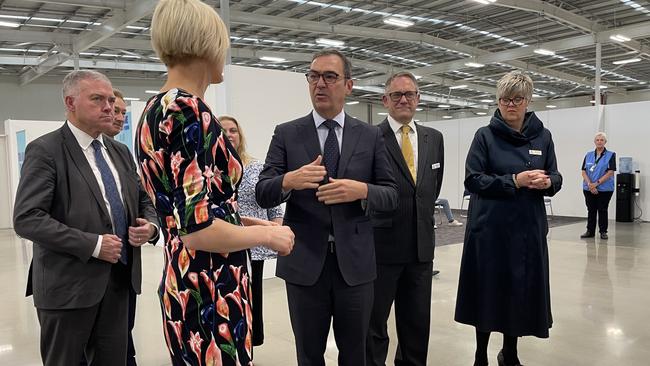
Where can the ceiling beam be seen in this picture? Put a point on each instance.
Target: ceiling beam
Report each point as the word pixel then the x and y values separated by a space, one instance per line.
pixel 87 64
pixel 119 20
pixel 102 4
pixel 554 12
pixel 66 40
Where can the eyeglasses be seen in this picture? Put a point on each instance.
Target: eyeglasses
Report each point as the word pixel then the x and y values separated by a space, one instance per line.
pixel 516 101
pixel 329 77
pixel 397 96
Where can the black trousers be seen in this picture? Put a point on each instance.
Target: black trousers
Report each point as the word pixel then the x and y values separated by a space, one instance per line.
pixel 409 287
pixel 597 204
pixel 312 308
pixel 99 330
pixel 256 288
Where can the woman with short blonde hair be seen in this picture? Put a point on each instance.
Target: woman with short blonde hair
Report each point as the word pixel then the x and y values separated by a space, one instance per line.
pixel 192 173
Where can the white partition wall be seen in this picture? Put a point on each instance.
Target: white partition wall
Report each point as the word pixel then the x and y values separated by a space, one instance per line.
pixel 573 131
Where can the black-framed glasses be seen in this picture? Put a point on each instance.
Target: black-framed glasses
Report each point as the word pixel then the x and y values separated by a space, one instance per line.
pixel 397 96
pixel 329 77
pixel 516 101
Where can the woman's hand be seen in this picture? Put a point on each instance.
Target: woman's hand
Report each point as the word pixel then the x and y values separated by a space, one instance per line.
pixel 280 239
pixel 533 179
pixel 252 221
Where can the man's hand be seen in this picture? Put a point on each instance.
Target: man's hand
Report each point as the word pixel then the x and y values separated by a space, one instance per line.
pixel 306 177
pixel 342 191
pixel 111 248
pixel 280 239
pixel 141 233
pixel 533 179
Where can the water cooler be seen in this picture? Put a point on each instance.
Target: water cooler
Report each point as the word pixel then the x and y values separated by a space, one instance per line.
pixel 625 197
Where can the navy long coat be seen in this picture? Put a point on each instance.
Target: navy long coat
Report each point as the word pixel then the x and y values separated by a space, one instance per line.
pixel 504 275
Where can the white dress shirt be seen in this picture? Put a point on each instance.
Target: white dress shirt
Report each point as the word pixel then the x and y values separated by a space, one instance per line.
pixel 413 136
pixel 85 140
pixel 322 130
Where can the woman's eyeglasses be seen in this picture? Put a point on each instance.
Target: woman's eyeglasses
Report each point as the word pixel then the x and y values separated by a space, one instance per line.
pixel 516 101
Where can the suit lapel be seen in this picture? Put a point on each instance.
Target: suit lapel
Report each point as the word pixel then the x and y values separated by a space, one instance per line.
pixel 310 137
pixel 423 151
pixel 80 161
pixel 351 134
pixel 394 150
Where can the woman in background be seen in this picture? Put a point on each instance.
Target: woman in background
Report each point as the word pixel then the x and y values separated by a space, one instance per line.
pixel 191 173
pixel 598 169
pixel 249 207
pixel 504 279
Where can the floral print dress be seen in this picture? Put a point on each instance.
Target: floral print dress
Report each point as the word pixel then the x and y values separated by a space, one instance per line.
pixel 191 173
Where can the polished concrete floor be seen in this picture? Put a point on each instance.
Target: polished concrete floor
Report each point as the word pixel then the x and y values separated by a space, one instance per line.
pixel 600 293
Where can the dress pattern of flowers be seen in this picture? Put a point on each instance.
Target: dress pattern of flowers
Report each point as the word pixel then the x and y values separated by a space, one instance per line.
pixel 249 207
pixel 191 173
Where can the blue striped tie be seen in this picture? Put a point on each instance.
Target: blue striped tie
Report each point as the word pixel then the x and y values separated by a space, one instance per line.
pixel 117 208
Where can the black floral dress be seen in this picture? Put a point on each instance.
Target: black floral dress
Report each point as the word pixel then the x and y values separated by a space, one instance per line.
pixel 191 172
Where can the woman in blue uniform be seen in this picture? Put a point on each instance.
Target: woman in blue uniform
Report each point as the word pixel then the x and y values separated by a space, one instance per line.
pixel 598 169
pixel 504 279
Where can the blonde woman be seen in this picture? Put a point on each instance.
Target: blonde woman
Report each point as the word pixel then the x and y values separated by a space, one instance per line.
pixel 192 172
pixel 504 282
pixel 249 207
pixel 598 168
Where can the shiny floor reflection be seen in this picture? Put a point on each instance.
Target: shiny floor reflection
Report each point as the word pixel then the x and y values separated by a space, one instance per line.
pixel 599 291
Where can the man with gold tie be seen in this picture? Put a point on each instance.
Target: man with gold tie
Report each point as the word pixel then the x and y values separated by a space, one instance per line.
pixel 404 240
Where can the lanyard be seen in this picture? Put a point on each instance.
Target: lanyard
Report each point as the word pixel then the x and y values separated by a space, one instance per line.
pixel 593 167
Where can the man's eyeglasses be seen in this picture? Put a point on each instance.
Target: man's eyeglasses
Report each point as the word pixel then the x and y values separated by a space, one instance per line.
pixel 397 96
pixel 516 101
pixel 329 77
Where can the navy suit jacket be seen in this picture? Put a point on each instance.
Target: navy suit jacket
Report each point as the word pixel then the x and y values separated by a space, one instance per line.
pixel 363 158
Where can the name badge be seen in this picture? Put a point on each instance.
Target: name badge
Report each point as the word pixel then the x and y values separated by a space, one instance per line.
pixel 535 152
pixel 435 166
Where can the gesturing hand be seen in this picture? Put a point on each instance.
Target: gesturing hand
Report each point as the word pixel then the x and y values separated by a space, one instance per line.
pixel 341 191
pixel 306 177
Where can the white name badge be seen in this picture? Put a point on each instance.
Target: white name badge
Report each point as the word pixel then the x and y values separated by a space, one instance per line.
pixel 435 166
pixel 535 152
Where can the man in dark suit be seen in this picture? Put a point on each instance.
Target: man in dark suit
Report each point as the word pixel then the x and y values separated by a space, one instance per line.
pixel 330 272
pixel 80 201
pixel 405 239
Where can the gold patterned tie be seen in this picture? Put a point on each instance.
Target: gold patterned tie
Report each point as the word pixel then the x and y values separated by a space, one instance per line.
pixel 407 150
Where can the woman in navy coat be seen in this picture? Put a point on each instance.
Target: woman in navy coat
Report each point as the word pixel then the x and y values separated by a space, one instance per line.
pixel 504 279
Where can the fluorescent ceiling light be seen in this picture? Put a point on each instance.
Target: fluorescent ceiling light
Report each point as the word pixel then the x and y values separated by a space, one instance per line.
pixel 604 87
pixel 485 1
pixel 462 86
pixel 9 24
pixel 619 38
pixel 398 22
pixel 628 61
pixel 447 117
pixel 443 106
pixel 272 59
pixel 551 106
pixel 473 64
pixel 416 120
pixel 49 20
pixel 417 77
pixel 480 113
pixel 151 91
pixel 419 109
pixel 536 96
pixel 352 102
pixel 486 101
pixel 131 98
pixel 545 52
pixel 592 101
pixel 382 113
pixel 330 42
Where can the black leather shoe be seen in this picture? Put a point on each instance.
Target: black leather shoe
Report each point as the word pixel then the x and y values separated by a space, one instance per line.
pixel 587 234
pixel 604 236
pixel 502 361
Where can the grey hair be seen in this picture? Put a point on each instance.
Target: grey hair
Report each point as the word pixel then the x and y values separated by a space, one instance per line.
pixel 72 80
pixel 347 65
pixel 515 83
pixel 401 74
pixel 601 134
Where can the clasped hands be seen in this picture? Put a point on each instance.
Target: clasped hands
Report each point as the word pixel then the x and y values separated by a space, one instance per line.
pixel 533 179
pixel 592 187
pixel 310 176
pixel 111 247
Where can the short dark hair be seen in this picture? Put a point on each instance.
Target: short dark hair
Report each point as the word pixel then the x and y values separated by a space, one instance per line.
pixel 401 74
pixel 118 94
pixel 347 65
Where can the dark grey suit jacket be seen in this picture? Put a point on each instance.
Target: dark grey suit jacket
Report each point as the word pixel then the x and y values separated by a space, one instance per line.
pixel 363 158
pixel 59 206
pixel 407 235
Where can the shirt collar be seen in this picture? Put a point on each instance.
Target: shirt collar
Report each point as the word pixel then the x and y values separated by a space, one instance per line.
pixel 395 126
pixel 339 118
pixel 83 139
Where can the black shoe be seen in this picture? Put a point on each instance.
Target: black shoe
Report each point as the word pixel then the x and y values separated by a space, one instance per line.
pixel 604 236
pixel 477 363
pixel 502 361
pixel 435 272
pixel 587 234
